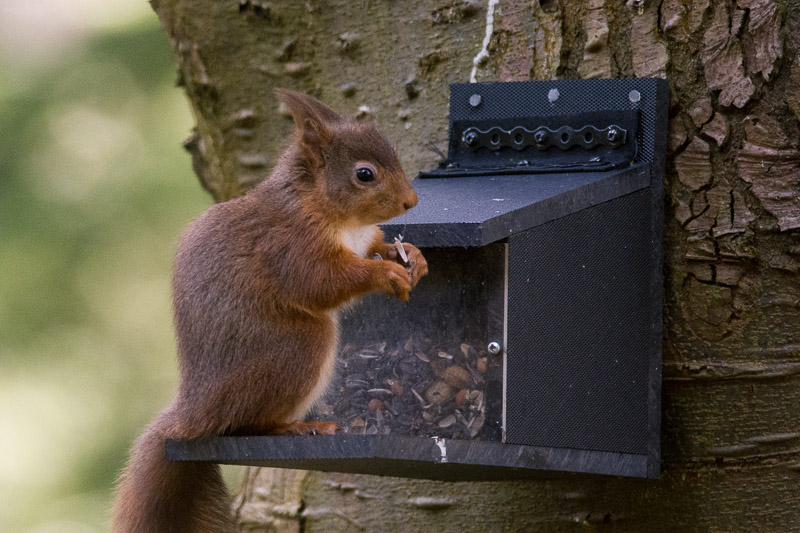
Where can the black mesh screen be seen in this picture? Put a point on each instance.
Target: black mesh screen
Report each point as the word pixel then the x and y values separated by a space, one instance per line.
pixel 580 327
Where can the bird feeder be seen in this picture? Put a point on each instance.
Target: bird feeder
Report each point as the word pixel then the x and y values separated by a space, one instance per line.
pixel 534 345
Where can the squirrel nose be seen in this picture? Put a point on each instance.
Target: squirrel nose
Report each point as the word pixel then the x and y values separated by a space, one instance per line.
pixel 410 201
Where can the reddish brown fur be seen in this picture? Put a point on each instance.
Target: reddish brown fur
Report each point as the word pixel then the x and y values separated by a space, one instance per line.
pixel 256 284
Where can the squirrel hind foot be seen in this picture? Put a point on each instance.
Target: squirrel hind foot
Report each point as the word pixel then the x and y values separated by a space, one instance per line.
pixel 307 428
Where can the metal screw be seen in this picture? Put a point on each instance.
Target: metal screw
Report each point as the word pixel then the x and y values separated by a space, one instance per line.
pixel 553 95
pixel 540 137
pixel 612 135
pixel 493 348
pixel 475 100
pixel 634 96
pixel 470 138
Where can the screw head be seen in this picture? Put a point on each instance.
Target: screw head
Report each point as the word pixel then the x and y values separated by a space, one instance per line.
pixel 475 100
pixel 539 137
pixel 612 135
pixel 493 348
pixel 470 138
pixel 634 96
pixel 553 95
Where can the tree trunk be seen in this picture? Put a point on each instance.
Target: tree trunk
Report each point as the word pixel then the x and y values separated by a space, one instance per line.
pixel 731 395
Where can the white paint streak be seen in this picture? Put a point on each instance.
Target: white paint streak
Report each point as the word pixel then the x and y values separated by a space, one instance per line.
pixel 442 444
pixel 483 55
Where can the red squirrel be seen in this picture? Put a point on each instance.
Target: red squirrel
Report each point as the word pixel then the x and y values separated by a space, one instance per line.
pixel 256 286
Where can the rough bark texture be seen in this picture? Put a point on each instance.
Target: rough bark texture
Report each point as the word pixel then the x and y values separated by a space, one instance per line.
pixel 731 397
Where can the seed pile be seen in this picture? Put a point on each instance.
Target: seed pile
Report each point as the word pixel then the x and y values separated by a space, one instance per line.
pixel 411 388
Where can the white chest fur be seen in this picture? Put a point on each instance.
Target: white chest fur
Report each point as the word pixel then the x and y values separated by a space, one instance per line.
pixel 358 239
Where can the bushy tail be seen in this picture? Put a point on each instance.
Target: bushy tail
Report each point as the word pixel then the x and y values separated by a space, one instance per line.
pixel 159 496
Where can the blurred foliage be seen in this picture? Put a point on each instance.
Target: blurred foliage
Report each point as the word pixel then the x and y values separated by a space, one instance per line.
pixel 94 191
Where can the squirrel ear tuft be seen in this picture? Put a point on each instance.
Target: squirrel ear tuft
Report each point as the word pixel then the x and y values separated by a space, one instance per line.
pixel 305 106
pixel 314 120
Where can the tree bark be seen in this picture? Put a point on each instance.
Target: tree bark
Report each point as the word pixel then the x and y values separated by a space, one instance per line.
pixel 731 394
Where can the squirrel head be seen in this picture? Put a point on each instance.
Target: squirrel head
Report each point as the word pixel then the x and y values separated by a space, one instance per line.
pixel 355 172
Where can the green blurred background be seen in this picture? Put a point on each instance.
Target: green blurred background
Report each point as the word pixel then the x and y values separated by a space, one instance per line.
pixel 94 191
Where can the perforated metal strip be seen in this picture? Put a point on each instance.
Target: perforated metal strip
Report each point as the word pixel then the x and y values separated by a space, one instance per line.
pixel 541 138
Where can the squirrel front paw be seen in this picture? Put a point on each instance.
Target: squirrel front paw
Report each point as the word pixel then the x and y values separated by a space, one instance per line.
pixel 416 265
pixel 393 279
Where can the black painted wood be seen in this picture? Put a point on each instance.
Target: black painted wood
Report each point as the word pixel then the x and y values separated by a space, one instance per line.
pixel 476 211
pixel 422 458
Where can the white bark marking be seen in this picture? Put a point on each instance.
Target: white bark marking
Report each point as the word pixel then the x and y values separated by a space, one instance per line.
pixel 484 53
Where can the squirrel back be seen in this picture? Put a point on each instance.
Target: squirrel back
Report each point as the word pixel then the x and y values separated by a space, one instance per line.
pixel 256 287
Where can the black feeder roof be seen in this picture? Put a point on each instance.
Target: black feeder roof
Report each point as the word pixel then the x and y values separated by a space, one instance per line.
pixel 475 211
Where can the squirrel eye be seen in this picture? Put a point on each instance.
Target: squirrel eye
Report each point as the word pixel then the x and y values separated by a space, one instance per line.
pixel 364 175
